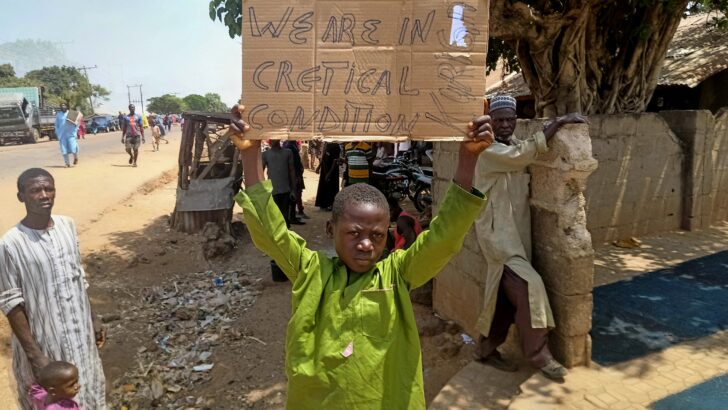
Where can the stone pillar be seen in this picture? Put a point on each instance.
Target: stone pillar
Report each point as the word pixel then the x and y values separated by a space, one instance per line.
pixel 695 131
pixel 562 247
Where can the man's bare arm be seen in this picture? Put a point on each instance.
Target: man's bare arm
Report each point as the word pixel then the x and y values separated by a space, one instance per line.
pixel 573 118
pixel 21 328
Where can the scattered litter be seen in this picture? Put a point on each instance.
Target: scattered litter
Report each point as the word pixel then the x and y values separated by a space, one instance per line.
pixel 257 340
pixel 467 339
pixel 203 367
pixel 629 243
pixel 189 318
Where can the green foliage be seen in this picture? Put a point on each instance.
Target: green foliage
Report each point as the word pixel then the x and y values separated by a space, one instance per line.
pixel 195 102
pixel 230 13
pixel 6 71
pixel 215 104
pixel 500 51
pixel 62 85
pixel 166 104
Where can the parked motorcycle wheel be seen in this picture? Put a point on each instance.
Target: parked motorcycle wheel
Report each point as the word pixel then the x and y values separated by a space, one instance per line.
pixel 423 198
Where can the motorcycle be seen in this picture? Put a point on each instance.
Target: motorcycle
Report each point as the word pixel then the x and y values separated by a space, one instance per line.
pixel 392 183
pixel 402 177
pixel 423 193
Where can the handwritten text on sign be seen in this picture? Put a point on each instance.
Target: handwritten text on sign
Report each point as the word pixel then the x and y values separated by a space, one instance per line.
pixel 376 68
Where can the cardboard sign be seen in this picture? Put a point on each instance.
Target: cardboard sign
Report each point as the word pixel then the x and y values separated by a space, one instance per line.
pixel 363 70
pixel 74 116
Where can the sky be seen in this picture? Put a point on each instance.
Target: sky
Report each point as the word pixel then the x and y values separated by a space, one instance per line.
pixel 167 46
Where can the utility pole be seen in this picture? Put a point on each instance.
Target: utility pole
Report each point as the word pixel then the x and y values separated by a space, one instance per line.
pixel 141 95
pixel 85 73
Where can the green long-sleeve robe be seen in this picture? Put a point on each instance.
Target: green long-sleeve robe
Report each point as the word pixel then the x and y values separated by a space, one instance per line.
pixel 355 346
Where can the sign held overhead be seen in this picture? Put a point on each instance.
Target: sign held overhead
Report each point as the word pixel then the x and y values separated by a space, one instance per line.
pixel 374 70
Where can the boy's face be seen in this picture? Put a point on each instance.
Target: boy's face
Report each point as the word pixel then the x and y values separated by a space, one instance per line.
pixel 68 388
pixel 360 235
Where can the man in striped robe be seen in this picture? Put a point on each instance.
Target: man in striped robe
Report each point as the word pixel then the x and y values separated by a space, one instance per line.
pixel 43 294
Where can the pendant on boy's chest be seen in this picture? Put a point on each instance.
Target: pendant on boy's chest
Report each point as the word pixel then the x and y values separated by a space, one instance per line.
pixel 349 350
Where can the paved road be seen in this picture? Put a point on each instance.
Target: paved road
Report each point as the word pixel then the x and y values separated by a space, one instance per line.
pixel 102 178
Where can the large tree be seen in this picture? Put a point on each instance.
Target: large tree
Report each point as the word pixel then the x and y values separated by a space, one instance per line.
pixel 591 56
pixel 195 102
pixel 215 104
pixel 166 104
pixel 62 85
pixel 6 71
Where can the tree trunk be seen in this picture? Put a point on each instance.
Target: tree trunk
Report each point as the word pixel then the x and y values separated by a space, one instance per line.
pixel 588 56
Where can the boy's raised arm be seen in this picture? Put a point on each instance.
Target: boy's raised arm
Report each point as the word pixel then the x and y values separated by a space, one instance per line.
pixel 434 248
pixel 262 217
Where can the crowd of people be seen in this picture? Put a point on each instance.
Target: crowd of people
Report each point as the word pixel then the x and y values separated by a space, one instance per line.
pixel 70 127
pixel 352 340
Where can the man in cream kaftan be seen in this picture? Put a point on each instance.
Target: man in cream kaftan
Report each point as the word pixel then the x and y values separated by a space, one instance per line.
pixel 514 291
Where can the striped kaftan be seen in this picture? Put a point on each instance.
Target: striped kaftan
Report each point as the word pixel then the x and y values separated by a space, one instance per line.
pixel 42 270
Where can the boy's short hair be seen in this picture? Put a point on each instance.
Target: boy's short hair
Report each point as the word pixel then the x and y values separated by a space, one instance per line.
pixel 31 173
pixel 359 194
pixel 53 372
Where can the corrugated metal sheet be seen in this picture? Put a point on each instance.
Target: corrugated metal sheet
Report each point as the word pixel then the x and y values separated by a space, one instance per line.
pixel 697 51
pixel 30 93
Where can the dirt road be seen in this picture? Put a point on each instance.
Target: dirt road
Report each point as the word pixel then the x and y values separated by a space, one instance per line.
pixel 103 176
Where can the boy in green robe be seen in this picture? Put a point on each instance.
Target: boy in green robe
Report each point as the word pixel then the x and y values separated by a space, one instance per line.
pixel 352 340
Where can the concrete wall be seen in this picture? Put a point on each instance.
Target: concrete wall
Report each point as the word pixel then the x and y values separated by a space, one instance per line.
pixel 637 188
pixel 719 168
pixel 657 172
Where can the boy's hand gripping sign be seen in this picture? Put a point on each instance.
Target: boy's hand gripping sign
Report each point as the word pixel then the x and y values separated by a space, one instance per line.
pixel 372 70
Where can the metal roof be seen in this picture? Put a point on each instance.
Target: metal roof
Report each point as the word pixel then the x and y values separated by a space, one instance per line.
pixel 697 51
pixel 11 97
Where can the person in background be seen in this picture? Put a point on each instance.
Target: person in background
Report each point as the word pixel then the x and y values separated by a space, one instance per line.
pixel 57 386
pixel 297 207
pixel 156 133
pixel 359 156
pixel 328 185
pixel 278 162
pixel 381 155
pixel 407 227
pixel 66 130
pixel 314 154
pixel 132 135
pixel 81 131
